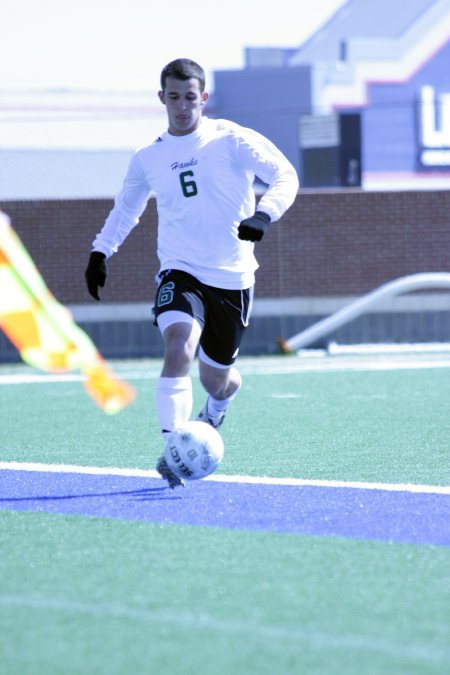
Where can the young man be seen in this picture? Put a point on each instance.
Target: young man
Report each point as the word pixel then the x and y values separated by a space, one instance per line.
pixel 202 172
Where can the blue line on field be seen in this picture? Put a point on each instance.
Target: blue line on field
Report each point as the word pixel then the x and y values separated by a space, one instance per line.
pixel 356 513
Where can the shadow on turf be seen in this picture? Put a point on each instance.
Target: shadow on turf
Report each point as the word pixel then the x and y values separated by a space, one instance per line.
pixel 144 494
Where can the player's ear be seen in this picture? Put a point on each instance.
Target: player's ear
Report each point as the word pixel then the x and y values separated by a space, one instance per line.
pixel 162 97
pixel 205 97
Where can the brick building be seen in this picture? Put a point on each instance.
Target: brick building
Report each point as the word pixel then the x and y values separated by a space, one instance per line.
pixel 331 247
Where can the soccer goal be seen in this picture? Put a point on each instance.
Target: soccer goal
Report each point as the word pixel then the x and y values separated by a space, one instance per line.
pixel 407 284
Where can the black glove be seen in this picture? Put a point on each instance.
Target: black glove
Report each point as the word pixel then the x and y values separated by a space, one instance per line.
pixel 96 273
pixel 254 228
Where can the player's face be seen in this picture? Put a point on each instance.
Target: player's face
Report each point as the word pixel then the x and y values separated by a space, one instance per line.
pixel 183 100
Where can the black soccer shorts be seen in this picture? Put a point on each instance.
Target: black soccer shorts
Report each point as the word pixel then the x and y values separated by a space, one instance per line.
pixel 222 314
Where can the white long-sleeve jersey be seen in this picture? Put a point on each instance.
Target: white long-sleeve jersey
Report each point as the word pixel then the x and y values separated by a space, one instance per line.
pixel 203 183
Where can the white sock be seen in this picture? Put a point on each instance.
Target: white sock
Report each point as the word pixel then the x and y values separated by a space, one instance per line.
pixel 217 407
pixel 173 402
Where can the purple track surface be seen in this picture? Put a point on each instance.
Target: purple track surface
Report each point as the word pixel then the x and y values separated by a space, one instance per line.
pixel 357 513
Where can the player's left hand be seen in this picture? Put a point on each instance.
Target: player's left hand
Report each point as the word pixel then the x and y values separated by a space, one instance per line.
pixel 254 228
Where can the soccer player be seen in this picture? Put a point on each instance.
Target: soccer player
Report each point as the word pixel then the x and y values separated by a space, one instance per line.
pixel 202 172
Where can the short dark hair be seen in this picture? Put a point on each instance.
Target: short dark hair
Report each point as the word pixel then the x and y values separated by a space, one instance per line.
pixel 183 69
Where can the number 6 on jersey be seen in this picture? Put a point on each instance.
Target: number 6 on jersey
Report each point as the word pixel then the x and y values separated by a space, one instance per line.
pixel 189 187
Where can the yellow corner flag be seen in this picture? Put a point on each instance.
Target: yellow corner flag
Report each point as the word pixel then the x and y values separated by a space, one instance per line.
pixel 44 331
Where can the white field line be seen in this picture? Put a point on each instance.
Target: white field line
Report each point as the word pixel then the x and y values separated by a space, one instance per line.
pixel 39 379
pixel 411 653
pixel 222 478
pixel 261 366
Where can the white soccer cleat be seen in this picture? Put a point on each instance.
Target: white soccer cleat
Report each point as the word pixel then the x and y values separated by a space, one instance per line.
pixel 204 416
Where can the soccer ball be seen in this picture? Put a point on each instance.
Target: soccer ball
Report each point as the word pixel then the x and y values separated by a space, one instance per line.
pixel 194 450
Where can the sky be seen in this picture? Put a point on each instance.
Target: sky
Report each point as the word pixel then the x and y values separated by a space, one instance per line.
pixel 123 44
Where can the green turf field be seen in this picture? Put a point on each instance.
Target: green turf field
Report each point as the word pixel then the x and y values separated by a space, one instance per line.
pixel 87 595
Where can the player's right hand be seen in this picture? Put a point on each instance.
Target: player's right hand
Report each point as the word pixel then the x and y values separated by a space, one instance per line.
pixel 96 273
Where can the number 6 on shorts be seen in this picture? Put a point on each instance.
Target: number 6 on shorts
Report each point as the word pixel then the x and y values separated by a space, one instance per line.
pixel 165 295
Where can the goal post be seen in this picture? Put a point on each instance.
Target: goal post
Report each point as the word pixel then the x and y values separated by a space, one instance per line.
pixel 407 284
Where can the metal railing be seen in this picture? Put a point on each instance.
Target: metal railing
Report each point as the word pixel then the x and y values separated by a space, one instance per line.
pixel 414 282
